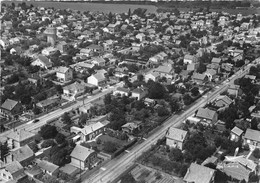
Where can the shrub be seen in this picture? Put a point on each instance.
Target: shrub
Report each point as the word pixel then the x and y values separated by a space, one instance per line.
pixel 47 143
pixel 246 147
pixel 256 153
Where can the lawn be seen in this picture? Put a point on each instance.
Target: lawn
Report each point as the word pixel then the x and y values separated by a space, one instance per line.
pixel 107 138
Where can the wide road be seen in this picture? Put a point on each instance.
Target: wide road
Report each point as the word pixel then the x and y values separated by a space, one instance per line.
pixel 116 167
pixel 30 126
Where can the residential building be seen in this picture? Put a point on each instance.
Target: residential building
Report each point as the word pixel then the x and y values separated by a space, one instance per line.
pixel 188 59
pixel 234 90
pixel 64 74
pixel 47 167
pixel 73 90
pixel 252 138
pixel 83 157
pixel 176 137
pixel 43 62
pixel 238 167
pixel 207 116
pixel 131 127
pixel 199 174
pixel 236 134
pixel 222 101
pixel 11 107
pixel 89 132
pixel 199 78
pixel 97 79
pixel 165 70
pixel 23 155
pixel 48 103
pixel 122 91
pixel 154 76
pixel 12 172
pixel 99 61
pixel 140 36
pixel 139 93
pixel 18 138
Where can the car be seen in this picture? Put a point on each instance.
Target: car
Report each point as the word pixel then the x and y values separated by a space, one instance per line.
pixel 36 120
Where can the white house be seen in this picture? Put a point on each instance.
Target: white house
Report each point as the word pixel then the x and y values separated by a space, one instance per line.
pixel 97 79
pixel 140 36
pixel 188 59
pixel 153 76
pixel 99 61
pixel 64 74
pixel 176 137
pixel 139 93
pixel 122 91
pixel 43 62
pixel 49 51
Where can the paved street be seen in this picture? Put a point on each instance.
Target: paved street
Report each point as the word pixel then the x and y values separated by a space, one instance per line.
pixel 43 119
pixel 116 167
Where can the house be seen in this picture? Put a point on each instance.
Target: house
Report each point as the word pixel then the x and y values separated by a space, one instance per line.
pixel 176 137
pixel 12 172
pixel 131 127
pixel 95 48
pixel 17 50
pixel 188 59
pixel 222 101
pixel 199 174
pixel 165 70
pixel 23 155
pixel 139 93
pixel 48 103
pixel 238 167
pixel 73 90
pixel 207 116
pixel 62 46
pixel 99 61
pixel 83 157
pixel 43 62
pixel 140 36
pixel 234 90
pixel 154 76
pixel 122 91
pixel 18 138
pixel 47 167
pixel 112 28
pixel 211 74
pixel 11 108
pixel 97 79
pixel 85 108
pixel 199 78
pixel 236 134
pixel 64 74
pixel 252 138
pixel 216 60
pixel 192 66
pixel 89 132
pixel 49 51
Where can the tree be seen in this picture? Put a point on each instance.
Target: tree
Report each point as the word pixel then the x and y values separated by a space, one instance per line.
pixel 4 151
pixel 175 106
pixel 47 143
pixel 140 77
pixel 195 91
pixel 48 131
pixel 156 91
pixel 254 123
pixel 107 99
pixel 175 154
pixel 256 153
pixel 33 146
pixel 60 138
pixel 66 118
pixel 59 89
pixel 127 178
pixel 109 147
pixel 187 99
pixel 161 111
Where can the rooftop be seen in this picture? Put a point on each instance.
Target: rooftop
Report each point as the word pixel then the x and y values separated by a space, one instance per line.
pixel 176 134
pixel 81 152
pixel 199 174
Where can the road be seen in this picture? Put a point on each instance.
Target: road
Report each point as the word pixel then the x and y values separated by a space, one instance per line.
pixel 116 167
pixel 30 126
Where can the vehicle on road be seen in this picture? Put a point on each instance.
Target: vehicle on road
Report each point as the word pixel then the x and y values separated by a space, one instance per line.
pixel 36 120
